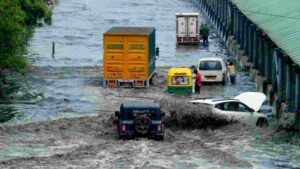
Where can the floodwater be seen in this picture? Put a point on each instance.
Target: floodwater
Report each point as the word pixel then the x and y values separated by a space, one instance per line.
pixel 69 85
pixel 77 28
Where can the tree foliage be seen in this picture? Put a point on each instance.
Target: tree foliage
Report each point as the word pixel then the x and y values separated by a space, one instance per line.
pixel 16 18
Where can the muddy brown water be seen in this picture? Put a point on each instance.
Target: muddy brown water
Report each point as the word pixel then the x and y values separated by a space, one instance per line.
pixel 59 115
pixel 91 142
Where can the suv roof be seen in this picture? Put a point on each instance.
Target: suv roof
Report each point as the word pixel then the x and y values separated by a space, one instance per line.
pixel 140 105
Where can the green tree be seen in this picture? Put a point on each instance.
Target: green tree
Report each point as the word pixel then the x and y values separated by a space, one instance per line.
pixel 17 17
pixel 12 32
pixel 35 11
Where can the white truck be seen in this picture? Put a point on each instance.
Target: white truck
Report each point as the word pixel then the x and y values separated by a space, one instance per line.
pixel 187 28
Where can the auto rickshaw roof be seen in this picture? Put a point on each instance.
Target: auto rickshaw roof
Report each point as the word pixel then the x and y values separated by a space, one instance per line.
pixel 179 72
pixel 140 105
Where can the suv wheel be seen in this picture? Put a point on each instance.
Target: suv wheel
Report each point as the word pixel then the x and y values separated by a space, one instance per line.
pixel 142 124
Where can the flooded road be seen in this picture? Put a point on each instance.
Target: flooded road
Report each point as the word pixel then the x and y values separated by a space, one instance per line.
pixel 77 32
pixel 78 27
pixel 69 85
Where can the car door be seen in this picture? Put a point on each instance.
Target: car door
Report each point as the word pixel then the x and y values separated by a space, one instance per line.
pixel 226 109
pixel 247 113
pixel 235 110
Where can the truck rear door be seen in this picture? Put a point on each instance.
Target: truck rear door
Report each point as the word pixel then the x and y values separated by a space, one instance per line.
pixel 192 26
pixel 137 62
pixel 115 57
pixel 181 26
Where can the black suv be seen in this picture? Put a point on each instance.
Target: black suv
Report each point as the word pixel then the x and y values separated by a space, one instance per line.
pixel 140 119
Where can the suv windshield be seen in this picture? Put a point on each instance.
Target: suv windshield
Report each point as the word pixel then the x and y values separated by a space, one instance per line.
pixel 210 65
pixel 132 114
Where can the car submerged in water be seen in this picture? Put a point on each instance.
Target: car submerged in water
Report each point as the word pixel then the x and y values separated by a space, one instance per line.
pixel 245 107
pixel 140 119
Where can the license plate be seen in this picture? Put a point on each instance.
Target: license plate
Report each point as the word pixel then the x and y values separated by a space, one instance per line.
pixel 210 77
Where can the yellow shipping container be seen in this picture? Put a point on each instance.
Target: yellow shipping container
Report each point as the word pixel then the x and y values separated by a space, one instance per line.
pixel 129 56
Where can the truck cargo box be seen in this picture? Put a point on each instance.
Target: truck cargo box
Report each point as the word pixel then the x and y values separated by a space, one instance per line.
pixel 129 56
pixel 187 28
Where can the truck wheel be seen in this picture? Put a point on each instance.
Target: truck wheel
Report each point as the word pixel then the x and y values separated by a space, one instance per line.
pixel 262 122
pixel 142 124
pixel 154 80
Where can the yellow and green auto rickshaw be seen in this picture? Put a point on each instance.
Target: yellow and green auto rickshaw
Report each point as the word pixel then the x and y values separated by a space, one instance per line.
pixel 180 81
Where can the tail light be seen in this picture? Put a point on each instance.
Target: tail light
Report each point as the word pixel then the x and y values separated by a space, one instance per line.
pixel 123 127
pixel 159 127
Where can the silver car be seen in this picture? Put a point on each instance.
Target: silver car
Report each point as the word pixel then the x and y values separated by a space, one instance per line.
pixel 243 107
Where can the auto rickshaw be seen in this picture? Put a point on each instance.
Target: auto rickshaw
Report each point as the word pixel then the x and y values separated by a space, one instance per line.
pixel 180 81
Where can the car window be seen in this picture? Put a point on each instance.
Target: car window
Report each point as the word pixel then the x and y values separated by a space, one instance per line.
pixel 244 108
pixel 220 106
pixel 228 106
pixel 232 106
pixel 210 65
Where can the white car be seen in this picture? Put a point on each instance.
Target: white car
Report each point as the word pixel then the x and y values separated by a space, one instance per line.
pixel 244 107
pixel 213 69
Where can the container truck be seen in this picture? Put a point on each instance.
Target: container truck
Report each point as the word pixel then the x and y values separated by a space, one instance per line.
pixel 129 56
pixel 187 28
